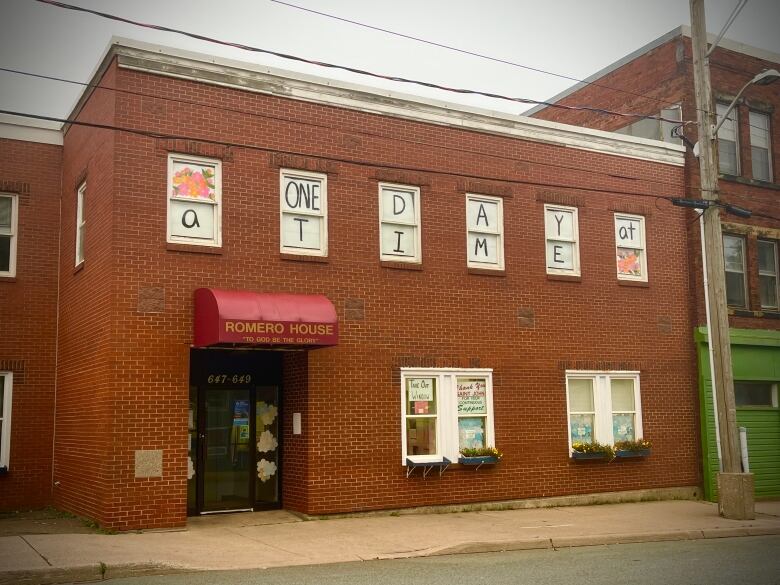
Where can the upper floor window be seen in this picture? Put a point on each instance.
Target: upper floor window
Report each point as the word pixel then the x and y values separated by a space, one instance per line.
pixel 485 229
pixel 8 233
pixel 736 283
pixel 760 152
pixel 5 418
pixel 194 201
pixel 768 275
pixel 399 223
pixel 561 233
pixel 603 407
pixel 630 244
pixel 80 222
pixel 728 143
pixel 304 213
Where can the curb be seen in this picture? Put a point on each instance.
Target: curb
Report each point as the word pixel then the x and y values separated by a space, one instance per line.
pixel 98 572
pixel 86 573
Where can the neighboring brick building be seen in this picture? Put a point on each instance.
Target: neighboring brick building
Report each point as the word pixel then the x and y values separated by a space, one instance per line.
pixel 29 238
pixel 381 281
pixel 658 78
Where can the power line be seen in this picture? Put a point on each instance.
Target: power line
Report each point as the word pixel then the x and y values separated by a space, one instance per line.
pixel 463 91
pixel 328 127
pixel 355 162
pixel 467 52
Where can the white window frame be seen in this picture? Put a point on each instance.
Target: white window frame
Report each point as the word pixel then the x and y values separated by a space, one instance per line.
pixel 5 439
pixel 416 224
pixel 447 435
pixel 13 233
pixel 80 223
pixel 216 241
pixel 498 231
pixel 643 247
pixel 602 403
pixel 548 237
pixel 322 215
pixel 733 121
pixel 743 272
pixel 753 130
pixel 775 274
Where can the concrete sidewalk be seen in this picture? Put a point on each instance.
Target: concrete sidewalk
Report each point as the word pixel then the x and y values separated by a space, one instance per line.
pixel 274 539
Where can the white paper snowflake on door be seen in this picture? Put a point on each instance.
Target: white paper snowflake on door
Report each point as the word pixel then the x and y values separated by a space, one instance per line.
pixel 265 469
pixel 266 442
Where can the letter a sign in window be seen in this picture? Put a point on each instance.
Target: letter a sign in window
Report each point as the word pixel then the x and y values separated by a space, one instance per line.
pixel 561 232
pixel 485 227
pixel 399 223
pixel 194 201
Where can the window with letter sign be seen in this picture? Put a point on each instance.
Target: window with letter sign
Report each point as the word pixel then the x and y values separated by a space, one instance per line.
pixel 399 219
pixel 561 232
pixel 630 244
pixel 421 416
pixel 485 225
pixel 304 217
pixel 194 201
pixel 472 412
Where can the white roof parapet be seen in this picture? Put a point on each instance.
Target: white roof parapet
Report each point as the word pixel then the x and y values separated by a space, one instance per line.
pixel 30 130
pixel 260 79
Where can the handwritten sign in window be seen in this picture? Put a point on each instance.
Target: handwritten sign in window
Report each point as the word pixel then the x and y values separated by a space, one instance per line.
pixel 472 396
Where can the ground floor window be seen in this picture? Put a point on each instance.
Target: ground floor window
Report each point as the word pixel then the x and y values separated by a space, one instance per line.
pixel 5 419
pixel 445 411
pixel 603 407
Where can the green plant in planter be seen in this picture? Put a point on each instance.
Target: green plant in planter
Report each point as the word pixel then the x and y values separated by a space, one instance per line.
pixel 638 445
pixel 481 452
pixel 595 448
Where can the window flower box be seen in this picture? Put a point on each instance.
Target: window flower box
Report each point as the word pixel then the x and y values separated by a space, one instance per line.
pixel 592 451
pixel 484 460
pixel 626 454
pixel 597 455
pixel 479 456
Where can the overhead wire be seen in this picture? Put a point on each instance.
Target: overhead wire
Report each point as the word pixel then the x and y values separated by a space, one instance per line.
pixel 297 121
pixel 467 52
pixel 428 84
pixel 347 161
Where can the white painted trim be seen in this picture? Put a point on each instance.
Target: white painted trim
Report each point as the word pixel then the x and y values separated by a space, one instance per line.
pixel 249 77
pixel 216 242
pixel 5 440
pixel 322 251
pixel 80 223
pixel 28 130
pixel 415 191
pixel 11 272
pixel 575 270
pixel 499 201
pixel 447 434
pixel 643 243
pixel 602 403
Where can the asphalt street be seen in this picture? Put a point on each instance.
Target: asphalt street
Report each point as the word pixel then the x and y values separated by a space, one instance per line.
pixel 732 561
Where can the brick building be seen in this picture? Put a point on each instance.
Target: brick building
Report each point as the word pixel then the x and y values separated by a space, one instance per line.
pixel 280 290
pixel 658 79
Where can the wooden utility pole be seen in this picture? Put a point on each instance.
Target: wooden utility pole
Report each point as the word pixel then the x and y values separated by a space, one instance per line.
pixel 735 489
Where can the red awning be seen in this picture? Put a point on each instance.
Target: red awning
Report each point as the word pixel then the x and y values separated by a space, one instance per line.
pixel 249 318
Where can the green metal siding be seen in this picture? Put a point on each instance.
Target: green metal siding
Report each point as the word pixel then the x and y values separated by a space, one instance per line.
pixel 755 357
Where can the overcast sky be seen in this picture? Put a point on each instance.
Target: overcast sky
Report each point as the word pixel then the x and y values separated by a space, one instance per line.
pixel 575 38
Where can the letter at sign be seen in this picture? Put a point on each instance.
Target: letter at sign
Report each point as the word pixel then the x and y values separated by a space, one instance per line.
pixel 192 221
pixel 559 219
pixel 482 214
pixel 557 254
pixel 480 244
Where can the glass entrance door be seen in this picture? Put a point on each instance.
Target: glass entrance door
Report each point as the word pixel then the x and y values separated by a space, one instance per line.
pixel 228 449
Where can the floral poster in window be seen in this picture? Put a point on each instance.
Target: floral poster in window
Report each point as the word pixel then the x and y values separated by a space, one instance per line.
pixel 582 428
pixel 471 432
pixel 623 427
pixel 472 396
pixel 628 262
pixel 193 180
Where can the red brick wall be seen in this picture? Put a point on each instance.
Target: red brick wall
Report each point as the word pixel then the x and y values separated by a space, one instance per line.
pixel 666 72
pixel 125 368
pixel 86 388
pixel 28 317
